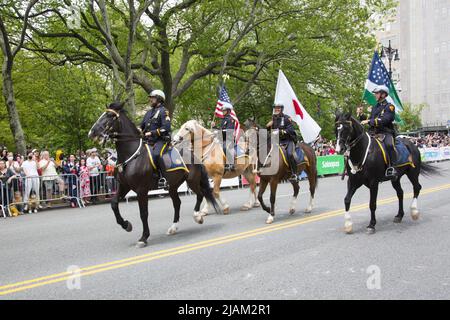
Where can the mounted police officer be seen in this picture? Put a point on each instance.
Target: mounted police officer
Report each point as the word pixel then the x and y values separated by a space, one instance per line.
pixel 156 126
pixel 381 122
pixel 227 127
pixel 288 136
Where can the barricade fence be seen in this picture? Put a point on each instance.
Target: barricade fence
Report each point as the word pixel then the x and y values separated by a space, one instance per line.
pixel 29 194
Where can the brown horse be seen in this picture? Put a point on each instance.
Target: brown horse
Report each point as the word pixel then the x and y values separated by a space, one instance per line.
pixel 213 158
pixel 275 169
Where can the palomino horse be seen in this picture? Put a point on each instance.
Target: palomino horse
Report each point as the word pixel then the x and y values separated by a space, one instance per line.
pixel 136 170
pixel 280 171
pixel 213 157
pixel 367 164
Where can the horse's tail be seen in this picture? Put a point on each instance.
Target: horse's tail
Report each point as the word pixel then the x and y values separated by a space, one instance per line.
pixel 312 163
pixel 206 188
pixel 429 170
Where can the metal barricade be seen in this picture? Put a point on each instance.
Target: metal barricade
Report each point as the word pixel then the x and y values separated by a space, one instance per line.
pixel 99 186
pixel 35 192
pixel 4 196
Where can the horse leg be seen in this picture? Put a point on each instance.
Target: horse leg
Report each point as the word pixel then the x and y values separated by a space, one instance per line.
pixel 122 191
pixel 312 178
pixel 252 201
pixel 198 216
pixel 273 194
pixel 413 176
pixel 262 189
pixel 352 186
pixel 173 192
pixel 222 202
pixel 294 197
pixel 373 207
pixel 398 188
pixel 143 210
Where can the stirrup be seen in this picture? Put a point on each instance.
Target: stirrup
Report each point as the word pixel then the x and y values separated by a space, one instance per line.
pixel 162 183
pixel 391 172
pixel 293 178
pixel 229 167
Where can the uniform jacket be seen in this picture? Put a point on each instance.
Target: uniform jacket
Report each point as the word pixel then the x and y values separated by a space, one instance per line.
pixel 382 117
pixel 284 123
pixel 157 121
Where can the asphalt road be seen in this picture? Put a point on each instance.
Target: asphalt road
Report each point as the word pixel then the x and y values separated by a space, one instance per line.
pixel 236 256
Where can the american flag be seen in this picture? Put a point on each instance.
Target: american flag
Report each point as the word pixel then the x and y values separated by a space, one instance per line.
pixel 224 100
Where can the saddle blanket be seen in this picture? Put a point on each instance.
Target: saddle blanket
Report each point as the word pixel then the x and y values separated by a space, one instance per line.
pixel 403 154
pixel 171 158
pixel 299 156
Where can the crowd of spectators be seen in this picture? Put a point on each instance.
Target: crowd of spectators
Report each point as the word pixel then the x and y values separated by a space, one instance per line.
pixel 42 177
pixel 436 140
pixel 324 147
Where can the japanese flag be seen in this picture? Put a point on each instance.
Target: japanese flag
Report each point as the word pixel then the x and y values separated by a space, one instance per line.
pixel 293 108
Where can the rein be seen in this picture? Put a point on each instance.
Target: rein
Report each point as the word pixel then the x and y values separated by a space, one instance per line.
pixel 114 135
pixel 356 168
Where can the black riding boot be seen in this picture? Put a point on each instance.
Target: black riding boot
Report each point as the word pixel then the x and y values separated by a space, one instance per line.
pixel 391 172
pixel 293 166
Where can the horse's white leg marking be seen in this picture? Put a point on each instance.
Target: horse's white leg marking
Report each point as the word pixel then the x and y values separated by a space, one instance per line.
pixel 269 219
pixel 198 217
pixel 311 205
pixel 173 228
pixel 292 205
pixel 414 210
pixel 348 226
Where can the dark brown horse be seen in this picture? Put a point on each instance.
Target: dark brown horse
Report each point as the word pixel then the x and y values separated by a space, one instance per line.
pixel 136 171
pixel 275 169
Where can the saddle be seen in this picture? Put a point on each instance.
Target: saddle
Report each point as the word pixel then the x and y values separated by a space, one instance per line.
pixel 298 154
pixel 171 159
pixel 404 157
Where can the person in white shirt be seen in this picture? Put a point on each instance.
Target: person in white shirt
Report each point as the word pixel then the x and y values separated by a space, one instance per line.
pixel 29 168
pixel 94 166
pixel 49 176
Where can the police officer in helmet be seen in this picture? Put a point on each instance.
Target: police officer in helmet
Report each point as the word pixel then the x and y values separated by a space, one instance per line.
pixel 288 137
pixel 227 127
pixel 156 125
pixel 381 122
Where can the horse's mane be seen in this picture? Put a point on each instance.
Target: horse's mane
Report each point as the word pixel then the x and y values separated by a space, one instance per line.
pixel 118 106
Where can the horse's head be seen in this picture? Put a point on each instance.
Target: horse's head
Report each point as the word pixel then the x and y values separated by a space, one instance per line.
pixel 344 131
pixel 107 124
pixel 187 131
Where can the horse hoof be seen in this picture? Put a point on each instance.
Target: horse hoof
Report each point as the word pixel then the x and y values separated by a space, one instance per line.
pixel 245 208
pixel 348 228
pixel 370 230
pixel 415 214
pixel 269 219
pixel 226 210
pixel 398 219
pixel 129 227
pixel 256 205
pixel 291 211
pixel 172 230
pixel 308 210
pixel 198 217
pixel 141 244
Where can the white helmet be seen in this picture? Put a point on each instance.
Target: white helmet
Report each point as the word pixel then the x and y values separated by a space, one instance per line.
pixel 158 93
pixel 227 106
pixel 381 88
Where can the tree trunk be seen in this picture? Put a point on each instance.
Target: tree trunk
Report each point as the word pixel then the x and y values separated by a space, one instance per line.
pixel 14 121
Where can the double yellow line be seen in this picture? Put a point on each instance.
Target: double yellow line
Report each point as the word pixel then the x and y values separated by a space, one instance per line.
pixel 117 264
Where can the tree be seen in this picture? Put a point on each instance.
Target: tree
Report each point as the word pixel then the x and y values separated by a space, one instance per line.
pixel 9 52
pixel 411 116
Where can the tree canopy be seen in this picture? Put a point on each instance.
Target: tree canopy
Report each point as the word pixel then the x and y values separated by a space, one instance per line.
pixel 79 55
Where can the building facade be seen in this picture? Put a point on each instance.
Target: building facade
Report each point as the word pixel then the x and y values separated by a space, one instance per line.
pixel 421 31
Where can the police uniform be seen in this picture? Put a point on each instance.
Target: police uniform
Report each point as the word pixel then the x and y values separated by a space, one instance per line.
pixel 288 136
pixel 227 127
pixel 381 122
pixel 157 121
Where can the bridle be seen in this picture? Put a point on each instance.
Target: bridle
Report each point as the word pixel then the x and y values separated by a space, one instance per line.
pixel 107 135
pixel 350 144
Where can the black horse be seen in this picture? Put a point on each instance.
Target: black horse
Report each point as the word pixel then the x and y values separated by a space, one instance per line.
pixel 366 165
pixel 136 171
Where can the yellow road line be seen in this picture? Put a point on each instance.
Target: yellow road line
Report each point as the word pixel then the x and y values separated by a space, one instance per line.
pixel 63 276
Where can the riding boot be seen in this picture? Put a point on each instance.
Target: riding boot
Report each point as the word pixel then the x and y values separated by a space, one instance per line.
pixel 391 172
pixel 293 167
